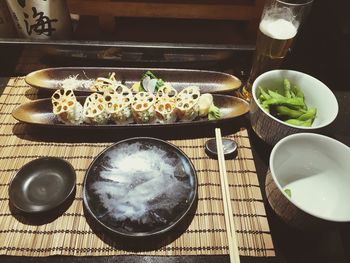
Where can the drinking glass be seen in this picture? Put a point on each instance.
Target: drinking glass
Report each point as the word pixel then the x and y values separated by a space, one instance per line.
pixel 278 28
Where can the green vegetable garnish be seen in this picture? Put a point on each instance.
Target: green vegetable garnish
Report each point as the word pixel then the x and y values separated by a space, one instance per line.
pixel 141 88
pixel 288 192
pixel 150 74
pixel 214 113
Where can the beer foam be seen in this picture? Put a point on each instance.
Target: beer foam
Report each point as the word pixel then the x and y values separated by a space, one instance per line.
pixel 278 29
pixel 140 185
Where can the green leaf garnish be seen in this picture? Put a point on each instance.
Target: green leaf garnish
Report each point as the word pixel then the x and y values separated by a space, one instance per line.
pixel 150 74
pixel 214 113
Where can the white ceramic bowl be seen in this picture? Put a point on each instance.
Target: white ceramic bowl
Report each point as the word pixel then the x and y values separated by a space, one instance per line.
pixel 269 128
pixel 316 170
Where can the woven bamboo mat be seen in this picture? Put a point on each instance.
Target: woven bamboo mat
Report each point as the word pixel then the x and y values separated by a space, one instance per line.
pixel 70 233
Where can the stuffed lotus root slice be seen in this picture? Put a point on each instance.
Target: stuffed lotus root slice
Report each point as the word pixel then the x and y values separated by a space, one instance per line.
pixel 126 97
pixel 114 107
pixel 187 109
pixel 59 107
pixel 186 101
pixel 92 109
pixel 123 90
pixel 120 95
pixel 141 106
pixel 117 104
pixel 108 99
pixel 166 91
pixel 165 110
pixel 127 100
pixel 94 106
pixel 110 103
pixel 118 107
pixel 143 114
pixel 143 101
pixel 110 91
pixel 118 89
pixel 164 107
pixel 166 117
pixel 190 92
pixel 66 107
pixel 165 104
pixel 63 94
pixel 97 87
pixel 63 101
pixel 185 104
pixel 102 84
pixel 105 81
pixel 122 116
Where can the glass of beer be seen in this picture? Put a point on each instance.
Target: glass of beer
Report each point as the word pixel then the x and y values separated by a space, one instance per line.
pixel 278 28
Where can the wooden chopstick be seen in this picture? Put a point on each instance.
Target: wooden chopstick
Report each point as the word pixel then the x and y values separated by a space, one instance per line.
pixel 229 221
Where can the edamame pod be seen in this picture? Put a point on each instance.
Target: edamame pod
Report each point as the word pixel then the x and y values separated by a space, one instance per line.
pixel 284 101
pixel 298 92
pixel 264 94
pixel 285 111
pixel 309 115
pixel 297 122
pixel 286 86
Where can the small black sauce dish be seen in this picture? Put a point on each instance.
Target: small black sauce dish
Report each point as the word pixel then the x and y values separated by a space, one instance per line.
pixel 42 185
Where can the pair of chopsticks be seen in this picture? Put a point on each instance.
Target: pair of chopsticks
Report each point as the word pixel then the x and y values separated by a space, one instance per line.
pixel 229 222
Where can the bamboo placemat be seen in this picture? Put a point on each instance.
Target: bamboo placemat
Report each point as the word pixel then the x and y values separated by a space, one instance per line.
pixel 70 234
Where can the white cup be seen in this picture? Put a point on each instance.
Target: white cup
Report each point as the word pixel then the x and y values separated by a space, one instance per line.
pixel 38 19
pixel 308 182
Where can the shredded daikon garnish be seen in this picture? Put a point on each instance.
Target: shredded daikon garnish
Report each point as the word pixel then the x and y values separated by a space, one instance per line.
pixel 73 83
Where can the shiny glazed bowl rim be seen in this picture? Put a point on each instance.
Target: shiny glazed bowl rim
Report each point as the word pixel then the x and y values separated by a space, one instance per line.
pixel 271 167
pixel 254 90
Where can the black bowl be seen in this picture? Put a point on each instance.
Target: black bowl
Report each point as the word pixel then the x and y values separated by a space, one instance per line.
pixel 42 185
pixel 140 187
